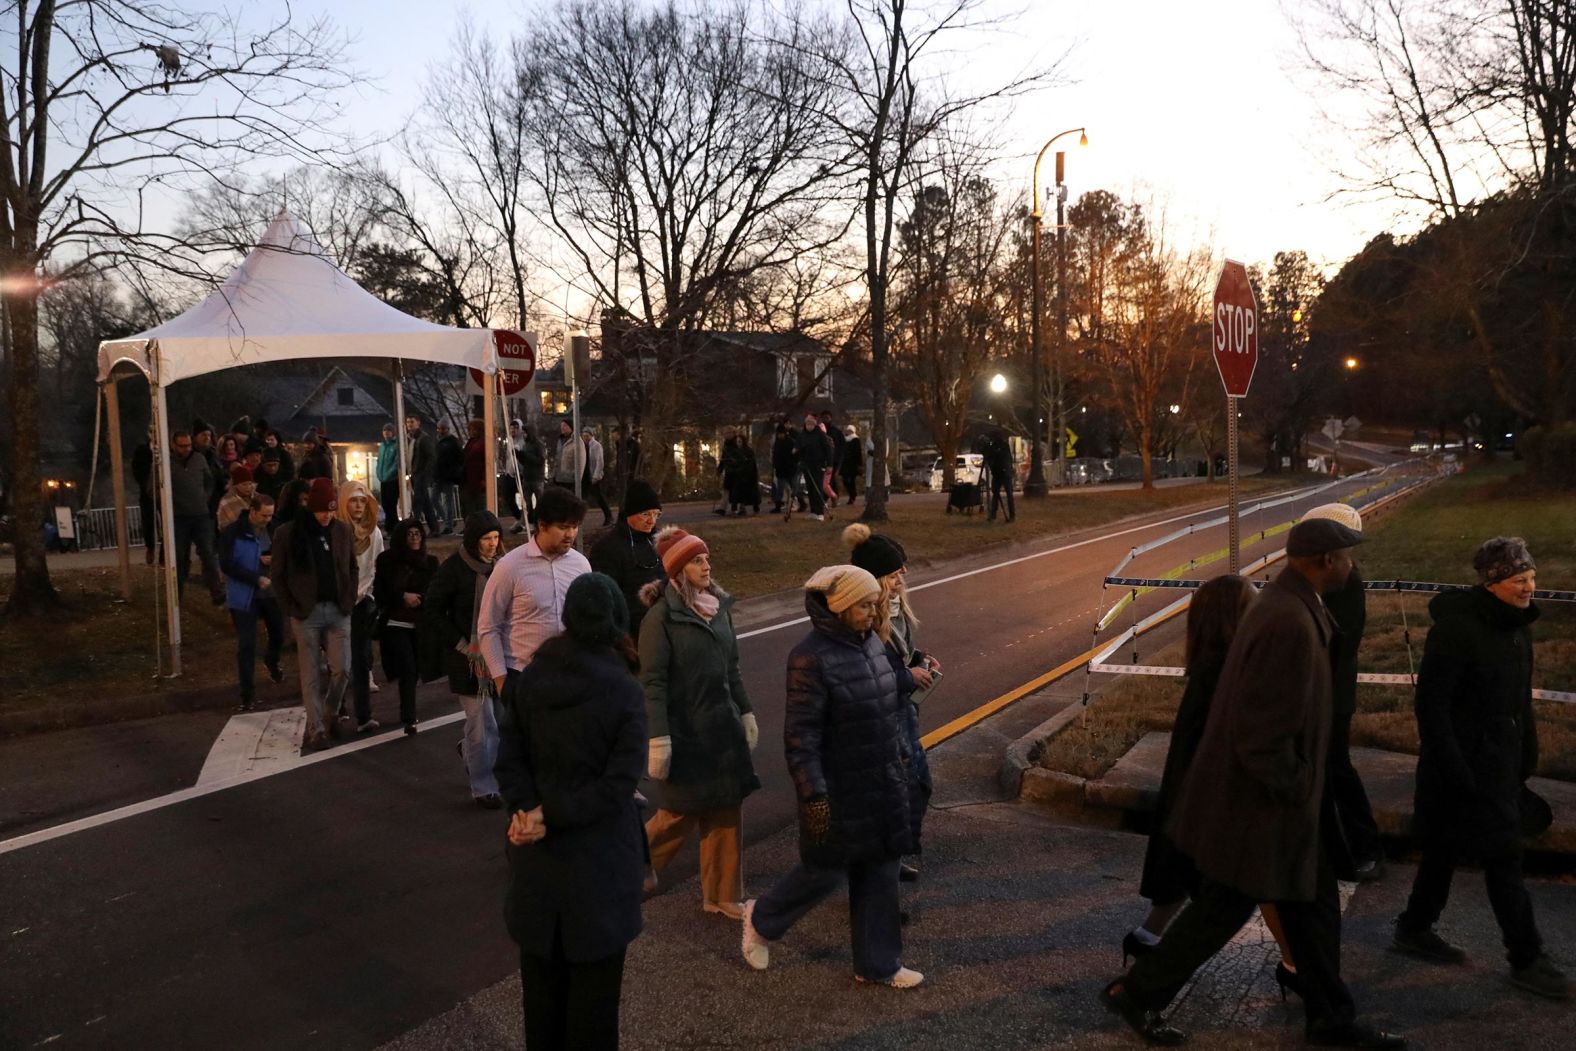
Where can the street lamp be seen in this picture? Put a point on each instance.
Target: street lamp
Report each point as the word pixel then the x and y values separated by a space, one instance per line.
pixel 1351 364
pixel 1035 486
pixel 998 384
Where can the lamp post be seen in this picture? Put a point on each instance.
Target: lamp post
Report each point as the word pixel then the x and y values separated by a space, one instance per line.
pixel 1035 486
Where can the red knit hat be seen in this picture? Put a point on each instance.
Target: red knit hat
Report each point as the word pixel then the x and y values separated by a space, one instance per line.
pixel 677 549
pixel 240 474
pixel 321 496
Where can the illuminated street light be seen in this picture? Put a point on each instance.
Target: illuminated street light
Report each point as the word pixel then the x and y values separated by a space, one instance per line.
pixel 1351 363
pixel 1175 409
pixel 998 384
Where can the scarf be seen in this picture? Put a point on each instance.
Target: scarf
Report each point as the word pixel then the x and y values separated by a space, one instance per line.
pixel 367 524
pixel 704 603
pixel 483 570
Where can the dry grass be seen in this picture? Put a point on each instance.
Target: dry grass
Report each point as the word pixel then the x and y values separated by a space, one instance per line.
pixel 1432 539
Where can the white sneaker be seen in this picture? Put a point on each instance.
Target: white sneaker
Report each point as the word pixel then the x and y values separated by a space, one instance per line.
pixel 757 951
pixel 903 979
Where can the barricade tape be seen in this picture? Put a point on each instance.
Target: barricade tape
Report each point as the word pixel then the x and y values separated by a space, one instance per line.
pixel 1371 678
pixel 1369 585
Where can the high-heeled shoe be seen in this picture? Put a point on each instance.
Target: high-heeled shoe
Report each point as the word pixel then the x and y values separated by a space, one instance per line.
pixel 1288 980
pixel 1133 947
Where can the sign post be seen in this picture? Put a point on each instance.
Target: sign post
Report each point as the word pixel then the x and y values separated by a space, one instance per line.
pixel 1236 348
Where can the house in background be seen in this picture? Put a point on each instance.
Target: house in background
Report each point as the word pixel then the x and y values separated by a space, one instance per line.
pixel 350 404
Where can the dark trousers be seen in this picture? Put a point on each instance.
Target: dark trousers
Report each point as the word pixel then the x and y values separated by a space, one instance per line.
pixel 421 506
pixel 532 495
pixel 570 1006
pixel 1507 896
pixel 592 492
pixel 999 484
pixel 267 611
pixel 851 486
pixel 198 530
pixel 149 520
pixel 363 617
pixel 1313 932
pixel 398 646
pixel 1351 799
pixel 388 497
pixel 874 921
pixel 812 490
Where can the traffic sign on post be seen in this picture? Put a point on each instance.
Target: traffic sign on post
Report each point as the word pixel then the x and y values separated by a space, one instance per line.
pixel 516 361
pixel 1236 348
pixel 1236 329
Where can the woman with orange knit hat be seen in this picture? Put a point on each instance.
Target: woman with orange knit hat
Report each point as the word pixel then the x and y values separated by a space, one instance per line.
pixel 701 726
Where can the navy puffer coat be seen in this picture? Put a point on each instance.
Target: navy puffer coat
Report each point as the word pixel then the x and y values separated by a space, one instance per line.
pixel 843 738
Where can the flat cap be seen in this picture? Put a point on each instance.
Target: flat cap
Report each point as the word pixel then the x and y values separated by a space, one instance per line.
pixel 1319 536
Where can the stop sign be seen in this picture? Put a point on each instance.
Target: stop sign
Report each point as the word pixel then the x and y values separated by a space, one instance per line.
pixel 1236 329
pixel 516 361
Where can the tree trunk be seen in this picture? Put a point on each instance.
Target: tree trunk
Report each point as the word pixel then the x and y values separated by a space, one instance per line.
pixel 33 593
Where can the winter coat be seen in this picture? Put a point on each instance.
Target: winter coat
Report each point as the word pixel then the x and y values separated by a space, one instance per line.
pixel 475 457
pixel 572 740
pixel 903 660
pixel 843 739
pixel 835 438
pixel 1248 812
pixel 740 475
pixel 533 462
pixel 317 463
pixel 294 580
pixel 446 621
pixel 1169 876
pixel 388 462
pixel 393 575
pixel 574 456
pixel 785 456
pixel 193 484
pixel 853 458
pixel 1478 740
pixel 449 466
pixel 241 549
pixel 630 558
pixel 1349 609
pixel 423 454
pixel 815 452
pixel 695 695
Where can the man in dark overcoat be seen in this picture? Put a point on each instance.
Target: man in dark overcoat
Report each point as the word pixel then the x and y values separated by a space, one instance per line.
pixel 1249 813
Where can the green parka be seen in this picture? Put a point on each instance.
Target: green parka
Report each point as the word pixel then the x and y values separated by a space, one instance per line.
pixel 695 695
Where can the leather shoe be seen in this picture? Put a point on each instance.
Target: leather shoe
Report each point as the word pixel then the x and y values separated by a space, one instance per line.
pixel 1353 1034
pixel 1146 1023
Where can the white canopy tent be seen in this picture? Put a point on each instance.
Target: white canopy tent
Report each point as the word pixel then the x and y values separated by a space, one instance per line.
pixel 286 301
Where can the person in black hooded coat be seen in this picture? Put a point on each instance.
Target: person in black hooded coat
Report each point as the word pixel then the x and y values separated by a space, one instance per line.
pixel 844 743
pixel 1478 745
pixel 577 720
pixel 400 580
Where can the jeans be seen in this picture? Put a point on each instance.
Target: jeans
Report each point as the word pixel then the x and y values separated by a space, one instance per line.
pixel 398 646
pixel 873 915
pixel 268 611
pixel 198 529
pixel 421 507
pixel 782 490
pixel 362 620
pixel 325 629
pixel 570 1006
pixel 479 746
pixel 1507 896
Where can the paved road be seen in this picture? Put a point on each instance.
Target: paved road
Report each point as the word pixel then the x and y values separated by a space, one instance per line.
pixel 343 903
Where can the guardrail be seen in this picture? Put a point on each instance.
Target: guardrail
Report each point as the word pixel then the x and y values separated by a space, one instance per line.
pixel 96 527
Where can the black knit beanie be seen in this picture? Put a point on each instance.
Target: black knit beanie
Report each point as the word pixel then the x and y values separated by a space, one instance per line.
pixel 638 497
pixel 874 553
pixel 477 525
pixel 594 610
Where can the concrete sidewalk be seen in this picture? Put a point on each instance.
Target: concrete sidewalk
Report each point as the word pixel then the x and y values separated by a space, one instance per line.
pixel 1016 924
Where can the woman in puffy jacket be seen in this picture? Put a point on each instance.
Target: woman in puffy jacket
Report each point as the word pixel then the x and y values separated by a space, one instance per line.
pixel 844 742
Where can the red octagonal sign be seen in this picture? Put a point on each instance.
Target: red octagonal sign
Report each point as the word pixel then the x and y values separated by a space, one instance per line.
pixel 516 361
pixel 1236 329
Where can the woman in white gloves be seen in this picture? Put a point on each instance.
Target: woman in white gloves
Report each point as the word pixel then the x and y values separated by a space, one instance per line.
pixel 702 729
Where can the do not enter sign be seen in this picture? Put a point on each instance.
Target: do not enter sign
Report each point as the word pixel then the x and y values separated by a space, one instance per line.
pixel 516 361
pixel 1236 342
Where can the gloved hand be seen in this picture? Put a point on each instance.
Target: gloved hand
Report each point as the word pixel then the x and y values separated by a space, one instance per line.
pixel 752 730
pixel 817 819
pixel 659 757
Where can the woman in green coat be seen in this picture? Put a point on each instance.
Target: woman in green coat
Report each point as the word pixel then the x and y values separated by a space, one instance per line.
pixel 702 729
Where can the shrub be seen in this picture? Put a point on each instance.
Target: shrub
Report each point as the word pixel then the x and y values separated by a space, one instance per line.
pixel 1551 454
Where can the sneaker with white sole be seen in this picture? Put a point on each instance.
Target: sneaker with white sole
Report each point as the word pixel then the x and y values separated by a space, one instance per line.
pixel 757 951
pixel 903 979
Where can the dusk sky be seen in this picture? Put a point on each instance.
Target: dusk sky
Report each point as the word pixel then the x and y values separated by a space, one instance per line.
pixel 1200 106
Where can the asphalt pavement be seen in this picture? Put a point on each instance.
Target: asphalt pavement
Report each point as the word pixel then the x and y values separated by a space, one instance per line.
pixel 346 902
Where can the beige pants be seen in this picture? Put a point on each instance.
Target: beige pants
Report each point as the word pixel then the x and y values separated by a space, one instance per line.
pixel 721 849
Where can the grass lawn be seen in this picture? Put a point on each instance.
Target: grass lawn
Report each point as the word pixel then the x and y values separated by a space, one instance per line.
pixel 105 646
pixel 1430 538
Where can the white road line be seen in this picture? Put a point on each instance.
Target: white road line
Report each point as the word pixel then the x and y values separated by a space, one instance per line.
pixel 258 772
pixel 198 791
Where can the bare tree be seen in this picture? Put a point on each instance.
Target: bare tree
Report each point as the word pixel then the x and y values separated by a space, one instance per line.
pixel 100 102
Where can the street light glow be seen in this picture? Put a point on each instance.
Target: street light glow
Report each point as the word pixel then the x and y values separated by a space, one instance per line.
pixel 998 383
pixel 1175 409
pixel 1351 363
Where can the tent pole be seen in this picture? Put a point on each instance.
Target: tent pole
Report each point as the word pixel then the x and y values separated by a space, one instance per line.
pixel 491 389
pixel 172 598
pixel 117 467
pixel 401 444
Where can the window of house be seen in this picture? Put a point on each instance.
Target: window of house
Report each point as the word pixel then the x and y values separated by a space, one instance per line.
pixel 347 395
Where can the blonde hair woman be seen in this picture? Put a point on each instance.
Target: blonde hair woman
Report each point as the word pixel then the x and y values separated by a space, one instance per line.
pixel 359 511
